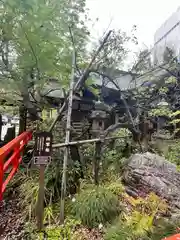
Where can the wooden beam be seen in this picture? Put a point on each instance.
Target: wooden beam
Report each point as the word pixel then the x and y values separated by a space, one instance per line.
pixel 81 142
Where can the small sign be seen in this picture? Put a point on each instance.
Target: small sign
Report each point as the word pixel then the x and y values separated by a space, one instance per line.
pixel 43 148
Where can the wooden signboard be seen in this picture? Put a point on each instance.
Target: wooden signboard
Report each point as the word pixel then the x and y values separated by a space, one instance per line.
pixel 42 156
pixel 43 148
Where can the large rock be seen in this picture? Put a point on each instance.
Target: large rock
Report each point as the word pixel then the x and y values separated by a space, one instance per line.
pixel 147 172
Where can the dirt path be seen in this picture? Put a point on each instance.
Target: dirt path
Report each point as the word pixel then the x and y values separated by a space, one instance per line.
pixel 11 222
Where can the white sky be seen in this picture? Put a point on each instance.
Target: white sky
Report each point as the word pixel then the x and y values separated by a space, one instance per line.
pixel 148 15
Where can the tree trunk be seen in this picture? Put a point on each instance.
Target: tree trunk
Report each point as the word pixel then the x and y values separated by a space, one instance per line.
pixel 22 121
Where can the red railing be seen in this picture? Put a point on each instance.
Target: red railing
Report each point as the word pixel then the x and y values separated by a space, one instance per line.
pixel 10 158
pixel 175 237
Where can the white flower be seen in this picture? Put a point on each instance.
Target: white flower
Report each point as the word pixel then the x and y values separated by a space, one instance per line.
pixel 73 199
pixel 100 226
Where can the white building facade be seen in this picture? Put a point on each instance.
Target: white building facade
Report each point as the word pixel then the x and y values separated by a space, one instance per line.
pixel 168 35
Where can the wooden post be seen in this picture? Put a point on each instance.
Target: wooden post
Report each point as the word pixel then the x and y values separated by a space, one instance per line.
pixel 66 150
pixel 98 127
pixel 96 162
pixel 42 157
pixel 40 202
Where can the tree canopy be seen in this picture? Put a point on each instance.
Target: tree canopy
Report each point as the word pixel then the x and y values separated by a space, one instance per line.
pixel 36 42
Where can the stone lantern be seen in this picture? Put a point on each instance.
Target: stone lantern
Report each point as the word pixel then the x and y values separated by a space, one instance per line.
pixel 99 116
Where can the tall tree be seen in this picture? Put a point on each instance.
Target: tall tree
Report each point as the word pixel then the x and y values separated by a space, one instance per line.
pixel 36 43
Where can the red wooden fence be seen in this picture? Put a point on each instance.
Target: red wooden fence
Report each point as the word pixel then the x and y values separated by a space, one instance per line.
pixel 175 237
pixel 10 158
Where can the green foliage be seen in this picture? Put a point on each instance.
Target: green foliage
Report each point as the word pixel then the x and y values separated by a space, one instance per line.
pixel 28 192
pixel 163 90
pixel 62 232
pixel 115 154
pixel 151 205
pixel 163 229
pixel 112 159
pixel 171 79
pixel 173 155
pixel 36 38
pixel 119 232
pixel 161 111
pixel 89 83
pixel 115 187
pixel 53 232
pixel 14 184
pixel 49 215
pixel 140 222
pixel 95 206
pixel 88 152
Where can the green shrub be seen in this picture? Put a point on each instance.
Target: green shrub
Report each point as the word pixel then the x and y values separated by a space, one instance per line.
pixel 115 187
pixel 95 206
pixel 173 154
pixel 28 193
pixel 139 227
pixel 135 227
pixel 61 232
pixel 139 223
pixel 119 232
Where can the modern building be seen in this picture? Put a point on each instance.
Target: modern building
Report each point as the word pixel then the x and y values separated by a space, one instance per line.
pixel 167 36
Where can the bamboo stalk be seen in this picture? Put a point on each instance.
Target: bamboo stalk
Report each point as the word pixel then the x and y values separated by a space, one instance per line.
pixel 81 142
pixel 66 150
pixel 80 81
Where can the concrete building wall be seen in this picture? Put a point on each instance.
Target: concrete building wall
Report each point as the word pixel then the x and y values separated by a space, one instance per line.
pixel 168 35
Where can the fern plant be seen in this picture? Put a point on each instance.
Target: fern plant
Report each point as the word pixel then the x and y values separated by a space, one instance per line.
pixel 95 206
pixel 61 232
pixel 151 205
pixel 138 224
